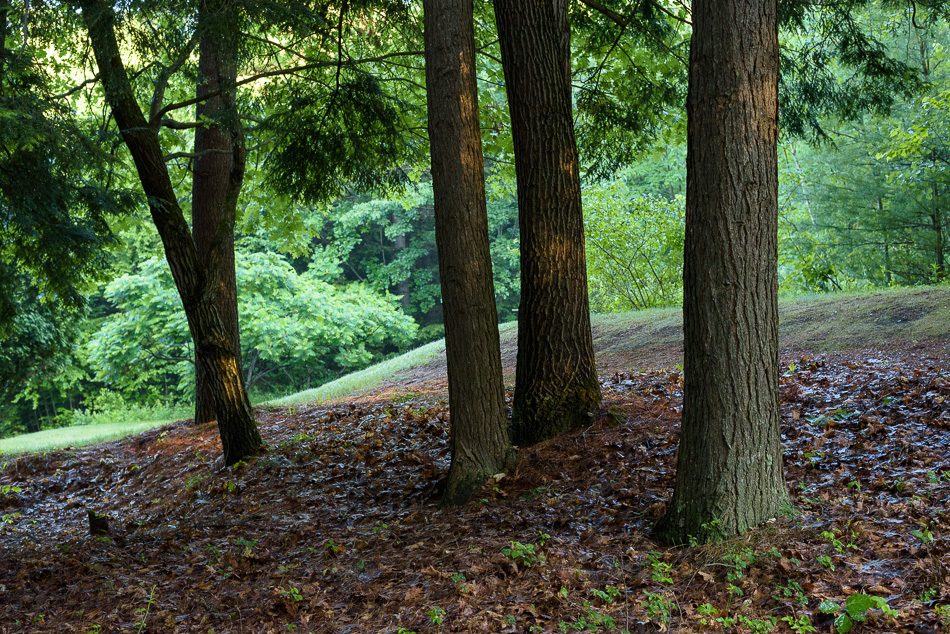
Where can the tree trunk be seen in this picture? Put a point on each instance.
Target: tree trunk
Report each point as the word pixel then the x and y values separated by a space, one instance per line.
pixel 556 385
pixel 402 288
pixel 4 13
pixel 480 444
pixel 214 353
pixel 887 246
pixel 729 471
pixel 218 176
pixel 936 219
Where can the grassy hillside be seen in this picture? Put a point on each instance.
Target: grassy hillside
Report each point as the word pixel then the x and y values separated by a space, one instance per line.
pixel 623 341
pixel 653 339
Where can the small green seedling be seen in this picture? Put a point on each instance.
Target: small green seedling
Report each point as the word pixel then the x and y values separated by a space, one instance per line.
pixel 855 610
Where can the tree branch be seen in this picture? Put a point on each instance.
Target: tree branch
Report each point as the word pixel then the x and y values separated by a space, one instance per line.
pixel 192 155
pixel 76 89
pixel 285 71
pixel 180 125
pixel 161 83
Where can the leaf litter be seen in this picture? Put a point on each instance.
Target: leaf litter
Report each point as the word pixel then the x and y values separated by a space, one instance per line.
pixel 336 527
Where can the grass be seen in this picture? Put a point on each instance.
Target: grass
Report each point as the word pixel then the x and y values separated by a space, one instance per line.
pixel 74 436
pixel 822 323
pixel 367 379
pixel 817 322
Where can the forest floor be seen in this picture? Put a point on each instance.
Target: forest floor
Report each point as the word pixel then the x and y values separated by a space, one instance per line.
pixel 334 528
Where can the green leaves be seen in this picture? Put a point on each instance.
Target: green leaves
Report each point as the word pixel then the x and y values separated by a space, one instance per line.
pixel 855 610
pixel 296 326
pixel 634 248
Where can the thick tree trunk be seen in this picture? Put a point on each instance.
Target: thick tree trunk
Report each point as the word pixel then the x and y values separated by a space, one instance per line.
pixel 480 443
pixel 218 176
pixel 215 355
pixel 729 471
pixel 556 385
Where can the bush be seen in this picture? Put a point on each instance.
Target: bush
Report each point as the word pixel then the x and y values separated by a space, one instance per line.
pixel 634 249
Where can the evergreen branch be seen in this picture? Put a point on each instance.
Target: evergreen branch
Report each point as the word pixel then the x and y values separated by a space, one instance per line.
pixel 283 72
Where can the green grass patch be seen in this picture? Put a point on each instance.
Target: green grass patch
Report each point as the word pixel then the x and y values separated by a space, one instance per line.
pixel 367 379
pixel 75 436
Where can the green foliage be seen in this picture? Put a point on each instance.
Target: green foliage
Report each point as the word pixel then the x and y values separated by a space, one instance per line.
pixel 54 203
pixel 855 610
pixel 525 554
pixel 326 142
pixel 390 245
pixel 436 615
pixel 867 209
pixel 634 249
pixel 297 324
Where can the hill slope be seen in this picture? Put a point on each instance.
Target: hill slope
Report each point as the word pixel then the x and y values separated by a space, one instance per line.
pixel 653 339
pixel 334 528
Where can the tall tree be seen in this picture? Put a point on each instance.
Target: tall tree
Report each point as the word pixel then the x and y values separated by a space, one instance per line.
pixel 556 385
pixel 219 165
pixel 480 444
pixel 214 351
pixel 729 474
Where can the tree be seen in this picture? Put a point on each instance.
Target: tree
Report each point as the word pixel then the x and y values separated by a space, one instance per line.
pixel 195 283
pixel 56 194
pixel 729 474
pixel 480 444
pixel 219 165
pixel 556 385
pixel 297 329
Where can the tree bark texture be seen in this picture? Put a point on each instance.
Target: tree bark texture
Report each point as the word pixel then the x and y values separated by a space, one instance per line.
pixel 556 384
pixel 729 471
pixel 214 353
pixel 218 176
pixel 480 443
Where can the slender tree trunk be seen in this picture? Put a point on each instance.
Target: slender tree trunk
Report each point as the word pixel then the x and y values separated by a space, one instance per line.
pixel 887 246
pixel 4 21
pixel 402 288
pixel 556 385
pixel 218 175
pixel 214 352
pixel 936 219
pixel 729 473
pixel 480 443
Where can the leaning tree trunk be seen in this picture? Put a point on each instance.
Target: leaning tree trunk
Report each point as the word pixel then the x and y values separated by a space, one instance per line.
pixel 556 384
pixel 214 353
pixel 218 175
pixel 729 471
pixel 480 444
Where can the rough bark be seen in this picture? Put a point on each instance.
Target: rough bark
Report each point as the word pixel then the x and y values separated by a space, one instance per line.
pixel 215 355
pixel 729 470
pixel 218 176
pixel 480 444
pixel 556 385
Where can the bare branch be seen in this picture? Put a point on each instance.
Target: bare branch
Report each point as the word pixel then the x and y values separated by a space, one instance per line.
pixel 663 9
pixel 76 89
pixel 192 155
pixel 614 17
pixel 179 125
pixel 155 116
